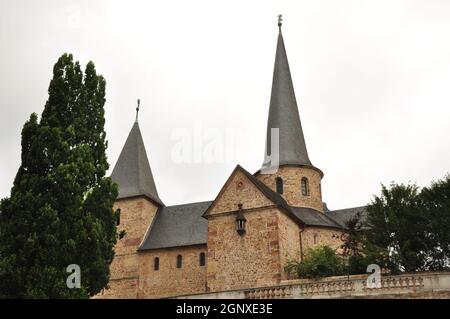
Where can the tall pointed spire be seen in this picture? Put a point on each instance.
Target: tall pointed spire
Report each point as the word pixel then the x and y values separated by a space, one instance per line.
pixel 132 171
pixel 283 112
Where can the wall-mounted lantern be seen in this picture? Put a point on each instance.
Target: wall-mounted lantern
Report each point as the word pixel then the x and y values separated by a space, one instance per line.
pixel 240 221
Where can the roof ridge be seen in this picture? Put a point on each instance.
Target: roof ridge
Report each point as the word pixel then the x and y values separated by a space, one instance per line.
pixel 191 203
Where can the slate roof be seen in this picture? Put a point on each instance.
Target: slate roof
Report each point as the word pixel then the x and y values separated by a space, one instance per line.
pixel 184 225
pixel 132 171
pixel 175 226
pixel 283 114
pixel 312 217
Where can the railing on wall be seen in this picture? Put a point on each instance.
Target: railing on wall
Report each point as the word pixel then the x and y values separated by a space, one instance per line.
pixel 399 282
pixel 348 286
pixel 269 293
pixel 416 285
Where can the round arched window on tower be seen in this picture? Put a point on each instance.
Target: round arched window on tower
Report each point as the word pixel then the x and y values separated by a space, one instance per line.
pixel 305 186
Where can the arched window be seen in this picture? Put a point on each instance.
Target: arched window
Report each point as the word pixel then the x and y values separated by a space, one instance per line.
pixel 179 261
pixel 305 186
pixel 118 217
pixel 156 263
pixel 202 259
pixel 279 182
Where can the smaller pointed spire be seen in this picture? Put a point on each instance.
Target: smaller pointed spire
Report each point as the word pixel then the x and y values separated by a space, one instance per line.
pixel 137 109
pixel 132 171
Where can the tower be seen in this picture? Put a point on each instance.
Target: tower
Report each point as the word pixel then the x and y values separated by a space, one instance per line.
pixel 138 202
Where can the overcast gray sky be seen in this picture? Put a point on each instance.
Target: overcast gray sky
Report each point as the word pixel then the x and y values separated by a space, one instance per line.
pixel 372 80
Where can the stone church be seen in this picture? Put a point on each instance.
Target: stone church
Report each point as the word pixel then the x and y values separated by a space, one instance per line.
pixel 242 238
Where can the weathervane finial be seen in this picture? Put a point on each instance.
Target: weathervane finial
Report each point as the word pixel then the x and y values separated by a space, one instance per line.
pixel 280 20
pixel 137 108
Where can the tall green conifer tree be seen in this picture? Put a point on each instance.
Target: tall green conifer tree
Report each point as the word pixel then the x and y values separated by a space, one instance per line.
pixel 60 210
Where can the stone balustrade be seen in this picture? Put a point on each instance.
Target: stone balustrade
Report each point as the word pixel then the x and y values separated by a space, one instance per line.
pixel 415 285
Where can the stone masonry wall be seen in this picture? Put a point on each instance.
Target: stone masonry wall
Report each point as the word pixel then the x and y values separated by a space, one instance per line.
pixel 292 176
pixel 170 280
pixel 135 217
pixel 250 260
pixel 239 190
pixel 315 236
pixel 236 261
pixel 289 239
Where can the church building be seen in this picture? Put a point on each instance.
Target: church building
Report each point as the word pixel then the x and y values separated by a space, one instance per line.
pixel 242 238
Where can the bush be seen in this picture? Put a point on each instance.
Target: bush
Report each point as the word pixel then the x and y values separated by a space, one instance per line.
pixel 321 261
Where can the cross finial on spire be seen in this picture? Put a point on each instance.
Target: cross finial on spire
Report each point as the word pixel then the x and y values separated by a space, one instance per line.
pixel 137 108
pixel 280 20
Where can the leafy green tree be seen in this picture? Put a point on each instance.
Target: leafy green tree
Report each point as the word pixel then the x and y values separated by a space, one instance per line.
pixel 320 261
pixel 60 210
pixel 397 228
pixel 436 203
pixel 406 229
pixel 357 252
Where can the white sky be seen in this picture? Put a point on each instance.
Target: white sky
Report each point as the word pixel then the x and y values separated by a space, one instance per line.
pixel 372 80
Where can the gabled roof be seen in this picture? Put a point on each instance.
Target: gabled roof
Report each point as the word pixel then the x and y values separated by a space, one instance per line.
pixel 284 115
pixel 132 171
pixel 176 226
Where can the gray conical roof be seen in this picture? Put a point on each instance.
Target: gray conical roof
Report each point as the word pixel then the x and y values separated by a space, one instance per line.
pixel 283 114
pixel 132 171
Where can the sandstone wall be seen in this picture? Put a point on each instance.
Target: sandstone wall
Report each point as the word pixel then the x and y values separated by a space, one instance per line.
pixel 170 280
pixel 135 217
pixel 289 238
pixel 239 190
pixel 316 236
pixel 250 260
